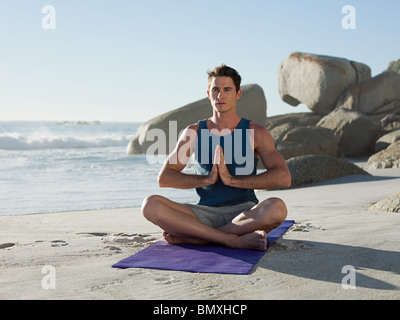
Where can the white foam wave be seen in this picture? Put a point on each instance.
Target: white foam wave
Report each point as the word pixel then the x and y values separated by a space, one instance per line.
pixel 18 142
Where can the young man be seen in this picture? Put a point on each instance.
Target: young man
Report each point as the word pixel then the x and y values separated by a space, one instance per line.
pixel 228 212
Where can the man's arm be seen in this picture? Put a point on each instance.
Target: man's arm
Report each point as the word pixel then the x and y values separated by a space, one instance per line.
pixel 171 173
pixel 277 174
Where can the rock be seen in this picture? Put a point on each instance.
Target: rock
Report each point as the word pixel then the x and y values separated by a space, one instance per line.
pixel 318 81
pixel 6 245
pixel 388 158
pixel 376 96
pixel 308 140
pixel 357 132
pixel 279 132
pixel 389 204
pixel 252 105
pixel 280 125
pixel 394 66
pixel 295 134
pixel 315 168
pixel 387 139
pixel 390 122
pixel 301 119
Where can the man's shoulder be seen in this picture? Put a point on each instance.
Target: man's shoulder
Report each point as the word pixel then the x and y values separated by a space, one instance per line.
pixel 257 127
pixel 190 130
pixel 260 132
pixel 192 126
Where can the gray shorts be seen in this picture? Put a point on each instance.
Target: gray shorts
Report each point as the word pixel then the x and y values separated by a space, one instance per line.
pixel 217 217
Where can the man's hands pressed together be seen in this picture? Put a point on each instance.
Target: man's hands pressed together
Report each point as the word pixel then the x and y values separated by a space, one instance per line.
pixel 219 169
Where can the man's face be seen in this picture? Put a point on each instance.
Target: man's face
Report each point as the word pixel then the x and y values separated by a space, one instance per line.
pixel 222 94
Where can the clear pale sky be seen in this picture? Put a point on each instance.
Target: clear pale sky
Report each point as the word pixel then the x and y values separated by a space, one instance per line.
pixel 133 60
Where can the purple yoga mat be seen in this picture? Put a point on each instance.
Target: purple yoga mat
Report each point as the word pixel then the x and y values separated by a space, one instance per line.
pixel 195 258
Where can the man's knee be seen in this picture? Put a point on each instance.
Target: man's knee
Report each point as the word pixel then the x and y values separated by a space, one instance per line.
pixel 150 206
pixel 275 211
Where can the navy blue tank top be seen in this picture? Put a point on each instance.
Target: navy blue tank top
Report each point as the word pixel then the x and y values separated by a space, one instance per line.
pixel 239 158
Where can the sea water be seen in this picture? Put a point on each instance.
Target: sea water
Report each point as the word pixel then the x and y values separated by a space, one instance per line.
pixel 73 166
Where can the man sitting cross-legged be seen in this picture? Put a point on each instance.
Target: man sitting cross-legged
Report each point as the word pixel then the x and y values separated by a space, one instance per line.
pixel 227 149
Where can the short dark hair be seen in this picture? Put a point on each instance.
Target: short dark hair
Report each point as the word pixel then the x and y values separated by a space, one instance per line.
pixel 225 71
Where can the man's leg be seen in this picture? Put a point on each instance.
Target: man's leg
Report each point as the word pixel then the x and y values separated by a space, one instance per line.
pixel 178 220
pixel 266 215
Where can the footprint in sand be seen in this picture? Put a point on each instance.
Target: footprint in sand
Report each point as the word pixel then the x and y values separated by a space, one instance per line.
pixel 292 245
pixel 6 245
pixel 113 248
pixel 96 234
pixel 305 227
pixel 59 243
pixel 131 240
pixel 116 241
pixel 166 280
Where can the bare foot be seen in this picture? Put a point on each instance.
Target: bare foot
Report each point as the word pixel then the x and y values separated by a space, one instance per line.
pixel 171 239
pixel 256 240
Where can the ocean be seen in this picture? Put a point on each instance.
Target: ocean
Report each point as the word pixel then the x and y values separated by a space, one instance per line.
pixel 74 166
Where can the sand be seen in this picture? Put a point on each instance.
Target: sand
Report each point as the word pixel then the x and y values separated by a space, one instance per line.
pixel 69 255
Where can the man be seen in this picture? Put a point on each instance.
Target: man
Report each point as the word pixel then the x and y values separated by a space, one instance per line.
pixel 228 212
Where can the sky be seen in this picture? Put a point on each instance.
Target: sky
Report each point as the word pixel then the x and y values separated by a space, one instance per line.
pixel 134 60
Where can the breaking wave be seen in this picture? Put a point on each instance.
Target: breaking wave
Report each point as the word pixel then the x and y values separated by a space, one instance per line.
pixel 34 142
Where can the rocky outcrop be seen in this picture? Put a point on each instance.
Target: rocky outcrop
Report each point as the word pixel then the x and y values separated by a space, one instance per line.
pixel 308 140
pixel 341 133
pixel 378 96
pixel 388 158
pixel 390 122
pixel 280 125
pixel 252 105
pixel 314 168
pixel 387 139
pixel 360 110
pixel 352 114
pixel 389 204
pixel 296 134
pixel 394 66
pixel 318 81
pixel 301 119
pixel 363 113
pixel 357 132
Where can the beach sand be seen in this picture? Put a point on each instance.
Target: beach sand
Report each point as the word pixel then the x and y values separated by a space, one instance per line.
pixel 333 229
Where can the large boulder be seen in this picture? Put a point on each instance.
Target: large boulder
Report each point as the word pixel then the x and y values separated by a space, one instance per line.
pixel 394 66
pixel 314 168
pixel 389 204
pixel 252 105
pixel 390 122
pixel 388 158
pixel 308 140
pixel 378 96
pixel 296 134
pixel 387 139
pixel 318 81
pixel 280 125
pixel 357 132
pixel 300 119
